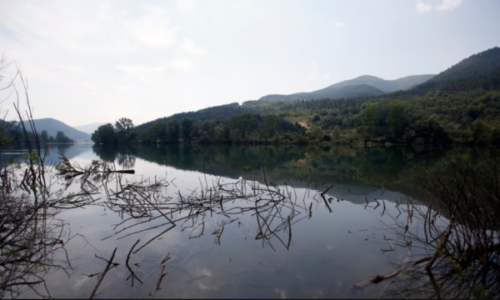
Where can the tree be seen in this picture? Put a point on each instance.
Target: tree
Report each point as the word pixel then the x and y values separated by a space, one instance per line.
pixel 172 131
pixel 480 132
pixel 160 131
pixel 44 137
pixel 316 134
pixel 62 138
pixel 397 120
pixel 124 127
pixel 234 135
pixel 186 127
pixel 104 134
pixel 368 119
pixel 270 126
pixel 336 131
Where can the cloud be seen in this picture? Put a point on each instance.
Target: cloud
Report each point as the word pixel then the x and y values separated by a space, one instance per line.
pixel 188 4
pixel 139 68
pixel 447 5
pixel 182 64
pixel 190 47
pixel 339 24
pixel 326 76
pixel 153 29
pixel 422 7
pixel 240 4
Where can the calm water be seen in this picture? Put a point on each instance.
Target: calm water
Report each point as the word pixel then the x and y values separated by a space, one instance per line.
pixel 326 253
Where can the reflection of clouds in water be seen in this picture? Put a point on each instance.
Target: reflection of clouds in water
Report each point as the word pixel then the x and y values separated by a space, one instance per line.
pixel 80 282
pixel 311 269
pixel 281 293
pixel 300 277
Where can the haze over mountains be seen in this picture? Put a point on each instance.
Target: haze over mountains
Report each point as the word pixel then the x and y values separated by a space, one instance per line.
pixel 89 128
pixel 362 86
pixel 52 126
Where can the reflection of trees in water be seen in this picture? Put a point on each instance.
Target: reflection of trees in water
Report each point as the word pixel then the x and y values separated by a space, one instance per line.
pixel 274 209
pixel 32 239
pixel 457 256
pixel 124 155
pixel 375 166
pixel 454 240
pixel 127 161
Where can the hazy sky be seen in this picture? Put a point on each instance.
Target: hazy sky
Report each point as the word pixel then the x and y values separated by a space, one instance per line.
pixel 97 61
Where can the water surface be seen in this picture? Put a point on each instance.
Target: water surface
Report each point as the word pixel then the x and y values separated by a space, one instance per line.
pixel 333 245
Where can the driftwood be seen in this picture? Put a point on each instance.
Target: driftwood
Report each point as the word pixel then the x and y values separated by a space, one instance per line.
pixel 375 280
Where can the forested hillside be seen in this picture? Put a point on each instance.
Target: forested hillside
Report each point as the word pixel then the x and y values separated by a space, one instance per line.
pixel 479 71
pixel 210 113
pixel 459 105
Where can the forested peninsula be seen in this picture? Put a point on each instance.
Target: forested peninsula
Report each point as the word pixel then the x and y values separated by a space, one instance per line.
pixel 458 106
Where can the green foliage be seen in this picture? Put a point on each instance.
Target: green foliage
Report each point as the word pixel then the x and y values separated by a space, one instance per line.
pixel 12 133
pixel 172 131
pixel 186 128
pixel 124 129
pixel 62 138
pixel 316 134
pixel 270 126
pixel 460 105
pixel 104 134
pixel 480 71
pixel 44 137
pixel 397 121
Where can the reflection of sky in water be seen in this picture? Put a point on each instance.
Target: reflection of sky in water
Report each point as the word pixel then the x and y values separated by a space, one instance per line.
pixel 329 251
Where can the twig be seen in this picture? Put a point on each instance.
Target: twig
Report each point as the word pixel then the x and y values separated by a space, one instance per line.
pixel 104 274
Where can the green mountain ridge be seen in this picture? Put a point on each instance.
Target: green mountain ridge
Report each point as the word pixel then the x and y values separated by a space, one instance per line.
pixel 360 87
pixel 481 70
pixel 459 105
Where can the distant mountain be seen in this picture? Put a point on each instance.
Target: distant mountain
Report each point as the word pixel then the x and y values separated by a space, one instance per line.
pixel 52 126
pixel 481 70
pixel 348 91
pixel 363 86
pixel 89 128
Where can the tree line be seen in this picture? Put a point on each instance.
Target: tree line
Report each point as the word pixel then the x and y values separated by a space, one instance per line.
pixel 466 117
pixel 243 128
pixel 10 133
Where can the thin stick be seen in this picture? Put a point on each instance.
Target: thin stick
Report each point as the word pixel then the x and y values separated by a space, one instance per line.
pixel 128 266
pixel 158 283
pixel 289 234
pixel 322 194
pixel 103 274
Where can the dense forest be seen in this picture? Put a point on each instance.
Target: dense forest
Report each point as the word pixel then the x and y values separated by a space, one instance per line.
pixel 460 105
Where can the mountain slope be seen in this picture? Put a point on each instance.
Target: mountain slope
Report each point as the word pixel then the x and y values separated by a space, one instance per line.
pixel 210 113
pixel 89 128
pixel 52 126
pixel 387 86
pixel 363 86
pixel 349 91
pixel 481 70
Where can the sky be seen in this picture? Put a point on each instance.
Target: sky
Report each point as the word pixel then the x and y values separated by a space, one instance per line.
pixel 97 61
